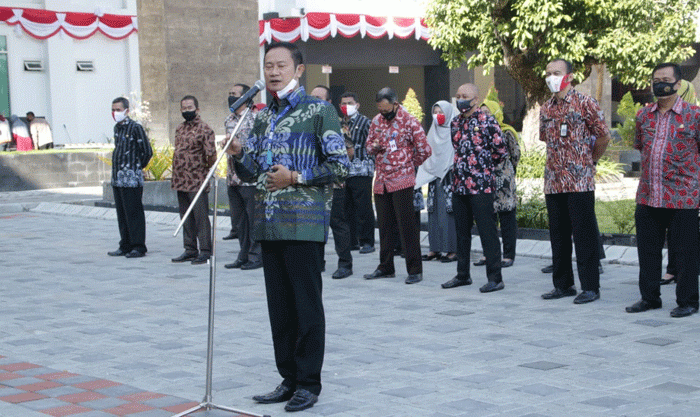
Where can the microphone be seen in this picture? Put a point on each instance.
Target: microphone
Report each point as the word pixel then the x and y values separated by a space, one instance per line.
pixel 259 85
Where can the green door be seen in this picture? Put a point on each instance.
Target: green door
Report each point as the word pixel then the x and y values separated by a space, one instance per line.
pixel 4 79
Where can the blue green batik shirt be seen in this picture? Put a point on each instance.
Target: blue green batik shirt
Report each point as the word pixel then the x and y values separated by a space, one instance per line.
pixel 303 134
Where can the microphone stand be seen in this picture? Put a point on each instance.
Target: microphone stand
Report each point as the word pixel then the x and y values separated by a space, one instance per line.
pixel 206 403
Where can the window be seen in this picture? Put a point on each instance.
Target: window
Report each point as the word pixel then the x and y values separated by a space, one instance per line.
pixel 85 66
pixel 33 65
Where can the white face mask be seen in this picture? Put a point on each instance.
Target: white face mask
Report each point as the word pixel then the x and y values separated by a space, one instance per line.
pixel 350 109
pixel 119 116
pixel 286 90
pixel 555 83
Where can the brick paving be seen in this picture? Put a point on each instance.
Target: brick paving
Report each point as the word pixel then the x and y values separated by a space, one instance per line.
pixel 128 336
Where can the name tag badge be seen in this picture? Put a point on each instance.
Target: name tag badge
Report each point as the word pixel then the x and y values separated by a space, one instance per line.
pixel 268 158
pixel 392 145
pixel 563 130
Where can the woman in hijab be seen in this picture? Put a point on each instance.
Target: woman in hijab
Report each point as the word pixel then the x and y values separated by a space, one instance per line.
pixel 20 133
pixel 505 199
pixel 437 172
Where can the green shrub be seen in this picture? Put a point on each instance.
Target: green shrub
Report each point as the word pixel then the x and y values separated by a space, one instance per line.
pixel 161 163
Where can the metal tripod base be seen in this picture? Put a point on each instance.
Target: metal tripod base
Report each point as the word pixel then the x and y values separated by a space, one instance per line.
pixel 209 406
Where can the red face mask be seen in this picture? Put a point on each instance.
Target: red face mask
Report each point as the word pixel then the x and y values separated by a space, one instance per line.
pixel 439 119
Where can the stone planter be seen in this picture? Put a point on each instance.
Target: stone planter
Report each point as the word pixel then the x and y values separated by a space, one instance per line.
pixel 159 195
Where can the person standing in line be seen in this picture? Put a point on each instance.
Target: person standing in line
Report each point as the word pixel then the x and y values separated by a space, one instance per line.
pixel 40 131
pixel 668 136
pixel 568 121
pixel 399 145
pixel 132 152
pixel 295 152
pixel 193 156
pixel 479 148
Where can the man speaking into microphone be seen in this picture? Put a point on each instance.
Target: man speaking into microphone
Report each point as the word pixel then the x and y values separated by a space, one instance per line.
pixel 294 154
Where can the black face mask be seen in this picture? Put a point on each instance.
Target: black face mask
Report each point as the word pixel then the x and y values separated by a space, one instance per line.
pixel 189 115
pixel 389 116
pixel 662 89
pixel 464 105
pixel 232 100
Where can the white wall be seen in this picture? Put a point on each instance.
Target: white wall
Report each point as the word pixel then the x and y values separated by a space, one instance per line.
pixel 79 100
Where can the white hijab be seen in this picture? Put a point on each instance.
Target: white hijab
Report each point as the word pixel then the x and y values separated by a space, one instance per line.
pixel 440 141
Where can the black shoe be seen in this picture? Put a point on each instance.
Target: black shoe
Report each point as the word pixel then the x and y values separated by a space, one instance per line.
pixel 507 264
pixel 492 286
pixel 448 259
pixel 280 394
pixel 251 265
pixel 684 311
pixel 641 306
pixel 366 249
pixel 379 274
pixel 586 297
pixel 548 269
pixel 185 257
pixel 117 252
pixel 341 273
pixel 557 293
pixel 480 262
pixel 457 281
pixel 301 400
pixel 201 259
pixel 413 278
pixel 135 254
pixel 435 255
pixel 667 281
pixel 230 236
pixel 237 264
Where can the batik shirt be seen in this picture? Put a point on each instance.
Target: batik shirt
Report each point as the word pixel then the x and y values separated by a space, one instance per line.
pixel 303 134
pixel 194 148
pixel 403 148
pixel 569 167
pixel 132 152
pixel 670 160
pixel 362 165
pixel 242 135
pixel 479 147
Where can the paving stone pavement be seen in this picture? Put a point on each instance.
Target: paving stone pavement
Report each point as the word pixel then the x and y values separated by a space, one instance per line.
pixel 392 349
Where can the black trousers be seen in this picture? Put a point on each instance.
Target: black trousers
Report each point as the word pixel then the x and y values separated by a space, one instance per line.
pixel 358 210
pixel 574 213
pixel 395 211
pixel 197 227
pixel 509 232
pixel 467 210
pixel 293 285
pixel 341 229
pixel 242 197
pixel 683 242
pixel 234 205
pixel 130 218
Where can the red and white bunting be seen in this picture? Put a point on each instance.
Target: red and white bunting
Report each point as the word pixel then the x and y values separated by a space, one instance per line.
pixel 319 26
pixel 43 24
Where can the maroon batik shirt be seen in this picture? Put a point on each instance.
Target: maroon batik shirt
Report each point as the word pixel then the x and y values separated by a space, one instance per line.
pixel 403 148
pixel 670 159
pixel 569 167
pixel 194 148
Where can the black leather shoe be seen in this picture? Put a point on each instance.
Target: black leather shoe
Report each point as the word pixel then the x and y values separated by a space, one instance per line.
pixel 301 400
pixel 507 264
pixel 201 259
pixel 379 274
pixel 492 286
pixel 641 306
pixel 117 252
pixel 366 249
pixel 557 293
pixel 280 394
pixel 667 281
pixel 548 269
pixel 237 264
pixel 413 278
pixel 586 297
pixel 684 311
pixel 448 259
pixel 457 281
pixel 251 265
pixel 480 262
pixel 185 257
pixel 341 273
pixel 135 254
pixel 435 255
pixel 230 236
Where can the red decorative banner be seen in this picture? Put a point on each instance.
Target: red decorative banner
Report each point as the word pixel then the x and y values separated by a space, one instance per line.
pixel 43 24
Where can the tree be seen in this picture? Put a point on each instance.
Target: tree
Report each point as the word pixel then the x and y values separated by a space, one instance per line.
pixel 412 105
pixel 628 36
